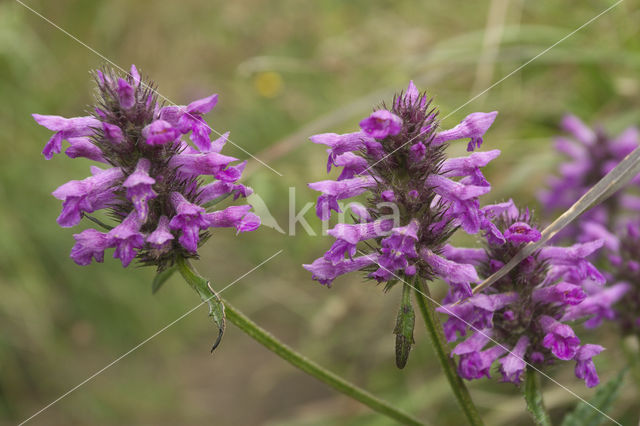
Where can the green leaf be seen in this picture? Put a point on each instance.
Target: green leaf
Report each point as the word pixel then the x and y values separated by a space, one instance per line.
pixel 585 415
pixel 404 328
pixel 533 397
pixel 207 294
pixel 160 278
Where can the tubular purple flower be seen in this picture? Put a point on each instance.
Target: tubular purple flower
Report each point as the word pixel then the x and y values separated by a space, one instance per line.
pixel 585 368
pixel 219 188
pixel 325 272
pixel 113 133
pixel 65 128
pixel 348 236
pixel 139 188
pixel 573 258
pixel 453 271
pixel 234 216
pixel 159 132
pixel 381 123
pixel 192 121
pixel 560 338
pixel 598 306
pixel 396 249
pixel 339 144
pixel 338 190
pixel 86 196
pixel 512 365
pixel 473 256
pixel 160 238
pixel 474 126
pixel 126 94
pixel 89 244
pixel 475 365
pixel 209 163
pixel 190 219
pixel 473 344
pixel 578 129
pixel 126 238
pixel 470 166
pixel 564 293
pixel 83 147
pixel 351 164
pixel 417 152
pixel 232 173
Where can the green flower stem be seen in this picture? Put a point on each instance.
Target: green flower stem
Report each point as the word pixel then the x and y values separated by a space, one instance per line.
pixel 533 396
pixel 288 354
pixel 434 328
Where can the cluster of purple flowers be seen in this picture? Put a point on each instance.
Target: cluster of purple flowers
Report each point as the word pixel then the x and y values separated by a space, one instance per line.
pixel 150 180
pixel 523 318
pixel 624 270
pixel 592 155
pixel 416 197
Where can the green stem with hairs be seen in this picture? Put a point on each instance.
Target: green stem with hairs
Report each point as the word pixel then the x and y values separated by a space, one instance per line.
pixel 296 359
pixel 533 396
pixel 434 329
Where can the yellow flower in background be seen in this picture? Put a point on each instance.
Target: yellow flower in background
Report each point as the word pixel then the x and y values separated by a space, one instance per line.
pixel 268 84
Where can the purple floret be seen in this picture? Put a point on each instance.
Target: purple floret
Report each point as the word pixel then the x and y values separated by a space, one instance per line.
pixel 157 190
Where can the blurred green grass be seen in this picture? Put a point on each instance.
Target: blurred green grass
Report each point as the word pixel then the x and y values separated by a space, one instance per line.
pixel 282 69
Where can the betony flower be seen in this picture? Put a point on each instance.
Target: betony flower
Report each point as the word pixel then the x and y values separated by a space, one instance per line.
pixel 527 312
pixel 591 154
pixel 153 183
pixel 398 160
pixel 414 200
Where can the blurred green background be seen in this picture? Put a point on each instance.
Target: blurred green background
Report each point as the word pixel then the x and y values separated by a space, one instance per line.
pixel 284 70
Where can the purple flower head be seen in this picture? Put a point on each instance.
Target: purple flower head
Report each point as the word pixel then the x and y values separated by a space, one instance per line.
pixel 156 188
pixel 414 199
pixel 625 271
pixel 398 163
pixel 381 124
pixel 527 311
pixel 590 155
